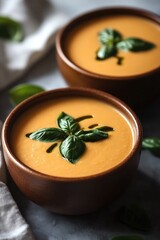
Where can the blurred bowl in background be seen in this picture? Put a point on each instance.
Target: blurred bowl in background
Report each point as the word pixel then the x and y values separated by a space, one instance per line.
pixel 136 80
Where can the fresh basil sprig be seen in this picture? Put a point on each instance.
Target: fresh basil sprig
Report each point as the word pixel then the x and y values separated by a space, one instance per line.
pixel 134 45
pixel 92 135
pixel 109 36
pixel 111 42
pixel 47 135
pixel 135 217
pixel 50 149
pixel 10 29
pixel 106 51
pixel 152 144
pixel 67 123
pixel 71 137
pixel 72 148
pixel 79 119
pixel 22 91
pixel 128 237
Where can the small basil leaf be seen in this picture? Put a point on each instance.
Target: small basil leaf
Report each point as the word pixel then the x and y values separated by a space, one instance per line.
pixel 109 36
pixel 72 148
pixel 47 135
pixel 134 45
pixel 152 144
pixel 127 237
pixel 119 60
pixel 135 217
pixel 67 123
pixel 92 135
pixel 23 91
pixel 50 149
pixel 10 29
pixel 105 128
pixel 79 119
pixel 93 125
pixel 106 51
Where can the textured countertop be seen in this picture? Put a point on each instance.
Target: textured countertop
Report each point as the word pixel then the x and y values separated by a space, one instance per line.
pixel 145 189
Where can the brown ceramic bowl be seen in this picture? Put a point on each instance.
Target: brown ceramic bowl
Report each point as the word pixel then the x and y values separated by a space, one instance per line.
pixel 134 89
pixel 72 195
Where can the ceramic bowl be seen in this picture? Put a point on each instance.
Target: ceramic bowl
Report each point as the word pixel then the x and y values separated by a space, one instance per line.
pixel 134 90
pixel 77 195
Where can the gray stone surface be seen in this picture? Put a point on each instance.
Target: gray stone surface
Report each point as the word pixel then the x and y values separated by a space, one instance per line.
pixel 144 190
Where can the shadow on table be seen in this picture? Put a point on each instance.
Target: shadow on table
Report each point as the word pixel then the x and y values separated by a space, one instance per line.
pixel 144 191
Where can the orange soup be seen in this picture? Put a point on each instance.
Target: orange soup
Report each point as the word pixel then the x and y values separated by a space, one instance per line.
pixel 82 44
pixel 98 157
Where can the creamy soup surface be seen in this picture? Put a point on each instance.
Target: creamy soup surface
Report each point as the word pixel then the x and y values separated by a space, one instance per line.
pixel 82 44
pixel 98 157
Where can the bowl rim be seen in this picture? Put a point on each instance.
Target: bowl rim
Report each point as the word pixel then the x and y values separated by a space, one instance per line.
pixel 93 13
pixel 70 91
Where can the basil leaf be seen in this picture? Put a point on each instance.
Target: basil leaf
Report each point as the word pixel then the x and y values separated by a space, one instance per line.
pixel 93 125
pixel 92 135
pixel 23 91
pixel 67 123
pixel 135 217
pixel 106 51
pixel 119 60
pixel 152 144
pixel 10 29
pixel 72 148
pixel 50 149
pixel 47 135
pixel 109 36
pixel 129 237
pixel 105 128
pixel 134 45
pixel 79 119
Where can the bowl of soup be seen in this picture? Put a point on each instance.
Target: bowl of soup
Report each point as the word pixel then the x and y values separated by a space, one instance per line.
pixel 114 50
pixel 72 150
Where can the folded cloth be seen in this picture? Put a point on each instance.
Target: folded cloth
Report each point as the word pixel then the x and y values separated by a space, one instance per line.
pixel 40 21
pixel 12 224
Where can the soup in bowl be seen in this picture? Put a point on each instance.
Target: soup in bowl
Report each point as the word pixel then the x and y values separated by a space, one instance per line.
pixel 113 49
pixel 65 147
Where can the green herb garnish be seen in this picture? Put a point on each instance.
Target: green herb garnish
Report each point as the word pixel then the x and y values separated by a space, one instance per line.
pixel 119 60
pixel 134 45
pixel 68 123
pixel 72 148
pixel 22 91
pixel 79 119
pixel 93 126
pixel 112 41
pixel 106 51
pixel 152 144
pixel 50 149
pixel 71 137
pixel 47 135
pixel 135 217
pixel 91 135
pixel 128 237
pixel 10 29
pixel 105 128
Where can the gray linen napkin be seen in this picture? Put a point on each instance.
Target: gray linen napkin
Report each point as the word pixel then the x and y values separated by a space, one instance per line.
pixel 12 224
pixel 40 20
